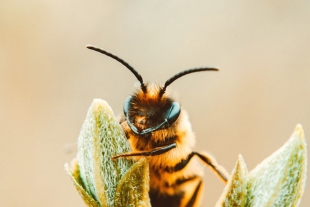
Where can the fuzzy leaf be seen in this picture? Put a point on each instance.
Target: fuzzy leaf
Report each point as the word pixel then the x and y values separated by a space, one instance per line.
pixel 278 181
pixel 74 174
pixel 101 137
pixel 235 191
pixel 133 189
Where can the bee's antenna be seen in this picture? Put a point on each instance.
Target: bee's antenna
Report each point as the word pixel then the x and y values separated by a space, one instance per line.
pixel 138 76
pixel 185 72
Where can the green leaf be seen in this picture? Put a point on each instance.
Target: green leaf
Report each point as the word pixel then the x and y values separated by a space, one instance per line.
pixel 133 189
pixel 235 191
pixel 100 138
pixel 278 181
pixel 74 174
pixel 101 181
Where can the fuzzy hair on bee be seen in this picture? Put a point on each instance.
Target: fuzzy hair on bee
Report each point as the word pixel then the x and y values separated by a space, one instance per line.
pixel 157 127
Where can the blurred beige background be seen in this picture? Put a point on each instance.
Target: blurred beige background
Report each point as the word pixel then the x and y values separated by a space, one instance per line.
pixel 48 80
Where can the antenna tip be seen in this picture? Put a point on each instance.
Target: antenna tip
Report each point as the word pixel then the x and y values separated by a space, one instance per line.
pixel 216 69
pixel 89 46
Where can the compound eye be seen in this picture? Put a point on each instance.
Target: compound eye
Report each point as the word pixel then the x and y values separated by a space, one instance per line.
pixel 173 113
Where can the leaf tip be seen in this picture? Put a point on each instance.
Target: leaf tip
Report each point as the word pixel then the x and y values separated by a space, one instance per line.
pixel 299 131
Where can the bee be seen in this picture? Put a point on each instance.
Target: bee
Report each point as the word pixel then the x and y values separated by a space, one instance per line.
pixel 157 127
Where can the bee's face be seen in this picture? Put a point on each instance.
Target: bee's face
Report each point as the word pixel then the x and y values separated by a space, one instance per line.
pixel 148 111
pixel 148 115
pixel 141 119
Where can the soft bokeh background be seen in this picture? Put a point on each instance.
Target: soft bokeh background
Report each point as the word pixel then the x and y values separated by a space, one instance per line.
pixel 48 80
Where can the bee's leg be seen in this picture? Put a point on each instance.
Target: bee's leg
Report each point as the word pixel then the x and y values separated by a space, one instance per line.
pixel 195 198
pixel 219 170
pixel 154 152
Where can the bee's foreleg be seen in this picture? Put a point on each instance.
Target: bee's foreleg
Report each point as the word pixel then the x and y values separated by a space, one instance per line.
pixel 154 152
pixel 219 170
